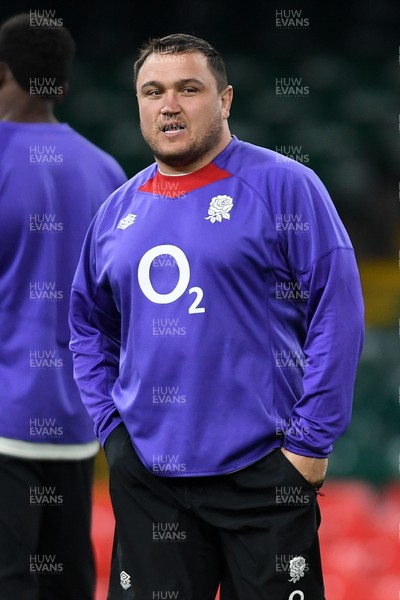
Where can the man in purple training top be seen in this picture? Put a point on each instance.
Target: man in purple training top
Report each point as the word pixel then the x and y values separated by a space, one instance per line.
pixel 217 322
pixel 52 182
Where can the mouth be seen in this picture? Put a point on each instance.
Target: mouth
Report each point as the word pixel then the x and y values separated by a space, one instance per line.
pixel 173 127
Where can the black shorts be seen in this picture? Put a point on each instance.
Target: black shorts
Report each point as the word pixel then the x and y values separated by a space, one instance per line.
pixel 46 550
pixel 254 532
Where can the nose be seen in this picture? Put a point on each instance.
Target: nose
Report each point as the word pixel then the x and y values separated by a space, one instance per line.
pixel 171 104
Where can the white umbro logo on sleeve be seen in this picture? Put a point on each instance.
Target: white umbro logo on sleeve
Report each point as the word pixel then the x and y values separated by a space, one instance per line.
pixel 125 580
pixel 126 221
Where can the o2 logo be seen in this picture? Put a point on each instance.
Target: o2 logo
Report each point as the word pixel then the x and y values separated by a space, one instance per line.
pixel 182 284
pixel 296 595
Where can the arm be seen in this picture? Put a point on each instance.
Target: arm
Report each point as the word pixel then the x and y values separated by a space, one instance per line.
pixel 95 340
pixel 323 263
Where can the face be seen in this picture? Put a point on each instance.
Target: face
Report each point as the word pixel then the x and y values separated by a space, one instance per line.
pixel 183 117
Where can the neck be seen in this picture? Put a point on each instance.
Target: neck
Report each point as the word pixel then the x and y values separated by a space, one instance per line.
pixel 29 110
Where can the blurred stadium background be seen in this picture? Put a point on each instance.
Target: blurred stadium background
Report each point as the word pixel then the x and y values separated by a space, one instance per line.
pixel 347 128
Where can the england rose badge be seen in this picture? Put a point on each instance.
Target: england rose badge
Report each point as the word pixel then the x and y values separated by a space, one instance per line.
pixel 220 207
pixel 297 567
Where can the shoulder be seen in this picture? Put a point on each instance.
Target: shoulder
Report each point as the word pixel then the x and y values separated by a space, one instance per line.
pixel 91 149
pixel 272 177
pixel 259 166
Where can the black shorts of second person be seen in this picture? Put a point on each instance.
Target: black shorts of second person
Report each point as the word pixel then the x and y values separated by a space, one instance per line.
pixel 253 532
pixel 46 551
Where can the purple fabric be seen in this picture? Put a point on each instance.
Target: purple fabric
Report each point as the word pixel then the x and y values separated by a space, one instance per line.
pixel 52 182
pixel 219 318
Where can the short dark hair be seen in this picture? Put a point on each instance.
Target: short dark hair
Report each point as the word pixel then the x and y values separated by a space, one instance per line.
pixel 36 52
pixel 183 42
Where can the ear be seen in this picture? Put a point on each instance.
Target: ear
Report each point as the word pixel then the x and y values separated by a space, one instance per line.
pixel 226 101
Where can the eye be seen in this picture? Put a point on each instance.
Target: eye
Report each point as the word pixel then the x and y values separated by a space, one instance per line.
pixel 189 90
pixel 153 93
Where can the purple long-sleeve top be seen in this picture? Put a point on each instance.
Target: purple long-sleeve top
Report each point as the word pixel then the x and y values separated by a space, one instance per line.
pixel 219 314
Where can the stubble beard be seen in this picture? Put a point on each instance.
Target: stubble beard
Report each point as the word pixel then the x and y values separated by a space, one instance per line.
pixel 193 152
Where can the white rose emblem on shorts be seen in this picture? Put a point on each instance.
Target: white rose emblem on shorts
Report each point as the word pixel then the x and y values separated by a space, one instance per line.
pixel 220 207
pixel 297 566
